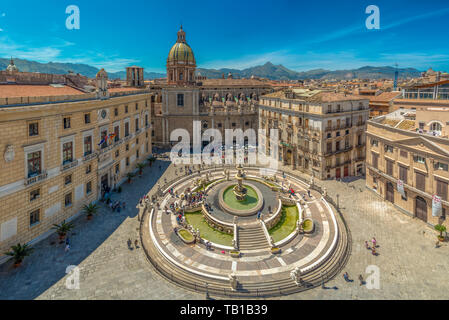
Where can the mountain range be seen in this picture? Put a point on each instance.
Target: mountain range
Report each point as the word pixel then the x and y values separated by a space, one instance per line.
pixel 268 70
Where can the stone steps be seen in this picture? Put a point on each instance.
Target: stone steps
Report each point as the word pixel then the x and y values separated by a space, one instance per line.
pixel 252 238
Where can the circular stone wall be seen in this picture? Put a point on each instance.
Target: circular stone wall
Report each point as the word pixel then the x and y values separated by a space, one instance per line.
pixel 237 207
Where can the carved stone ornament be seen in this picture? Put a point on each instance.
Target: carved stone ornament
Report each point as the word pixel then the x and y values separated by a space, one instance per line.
pixel 9 153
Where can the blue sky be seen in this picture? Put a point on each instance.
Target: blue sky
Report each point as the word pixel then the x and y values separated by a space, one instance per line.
pixel 301 35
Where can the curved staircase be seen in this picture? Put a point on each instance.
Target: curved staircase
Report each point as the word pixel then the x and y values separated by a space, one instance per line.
pixel 252 237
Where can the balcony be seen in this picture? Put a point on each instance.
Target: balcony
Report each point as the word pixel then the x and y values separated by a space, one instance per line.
pixel 89 156
pixel 127 138
pixel 69 165
pixel 37 178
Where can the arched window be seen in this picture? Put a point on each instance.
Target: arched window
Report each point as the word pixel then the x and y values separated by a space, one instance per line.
pixel 181 76
pixel 435 126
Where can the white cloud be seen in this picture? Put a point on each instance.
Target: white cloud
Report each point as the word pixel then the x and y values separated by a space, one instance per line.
pixel 3 14
pixel 1 30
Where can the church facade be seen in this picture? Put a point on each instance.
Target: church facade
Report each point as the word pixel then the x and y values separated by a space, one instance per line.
pixel 221 104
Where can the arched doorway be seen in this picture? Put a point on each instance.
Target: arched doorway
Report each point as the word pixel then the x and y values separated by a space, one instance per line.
pixel 390 192
pixel 288 158
pixel 421 209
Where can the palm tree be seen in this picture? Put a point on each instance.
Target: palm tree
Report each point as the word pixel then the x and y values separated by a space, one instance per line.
pixel 129 175
pixel 440 228
pixel 90 209
pixel 150 160
pixel 19 252
pixel 63 228
pixel 140 166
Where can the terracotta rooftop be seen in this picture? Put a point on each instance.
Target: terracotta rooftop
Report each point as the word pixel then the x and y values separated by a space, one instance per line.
pixel 319 96
pixel 123 89
pixel 233 82
pixel 13 90
pixel 385 96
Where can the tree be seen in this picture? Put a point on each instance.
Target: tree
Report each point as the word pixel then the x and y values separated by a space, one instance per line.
pixel 63 228
pixel 19 252
pixel 140 166
pixel 130 176
pixel 90 209
pixel 440 228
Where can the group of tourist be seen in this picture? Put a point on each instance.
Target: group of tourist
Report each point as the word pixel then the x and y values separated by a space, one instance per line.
pixel 193 199
pixel 373 248
pixel 117 205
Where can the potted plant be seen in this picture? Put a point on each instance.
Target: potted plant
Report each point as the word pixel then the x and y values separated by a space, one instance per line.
pixel 90 209
pixel 119 189
pixel 440 228
pixel 129 175
pixel 140 166
pixel 19 252
pixel 62 229
pixel 151 160
pixel 275 250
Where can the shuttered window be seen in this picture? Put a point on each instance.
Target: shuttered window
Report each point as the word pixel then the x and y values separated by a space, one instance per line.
pixel 375 160
pixel 403 174
pixel 389 167
pixel 442 189
pixel 420 181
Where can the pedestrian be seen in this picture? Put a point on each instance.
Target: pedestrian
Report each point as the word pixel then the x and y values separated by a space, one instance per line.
pixel 373 251
pixel 367 245
pixel 361 280
pixel 258 215
pixel 346 276
pixel 374 241
pixel 136 243
pixel 308 193
pixel 67 244
pixel 124 205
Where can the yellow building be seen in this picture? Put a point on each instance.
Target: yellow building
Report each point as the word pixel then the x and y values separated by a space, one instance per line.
pixel 407 161
pixel 320 133
pixel 52 162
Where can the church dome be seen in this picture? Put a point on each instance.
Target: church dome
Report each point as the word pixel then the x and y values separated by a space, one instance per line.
pixel 181 51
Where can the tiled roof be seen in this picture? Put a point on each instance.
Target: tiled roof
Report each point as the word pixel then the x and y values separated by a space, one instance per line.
pixel 233 82
pixel 317 96
pixel 122 89
pixel 406 125
pixel 13 90
pixel 385 96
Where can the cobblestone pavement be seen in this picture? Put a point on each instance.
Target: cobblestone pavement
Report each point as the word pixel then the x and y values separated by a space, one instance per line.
pixel 410 265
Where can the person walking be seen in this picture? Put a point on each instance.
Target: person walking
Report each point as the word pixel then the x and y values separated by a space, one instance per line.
pixel 367 245
pixel 67 244
pixel 373 251
pixel 361 280
pixel 136 243
pixel 374 241
pixel 346 277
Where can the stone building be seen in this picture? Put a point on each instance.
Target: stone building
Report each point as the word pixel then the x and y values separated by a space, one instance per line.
pixel 407 161
pixel 218 103
pixel 320 133
pixel 55 157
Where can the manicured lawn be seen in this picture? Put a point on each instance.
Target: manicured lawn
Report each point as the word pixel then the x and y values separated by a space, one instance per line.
pixel 197 220
pixel 186 235
pixel 250 201
pixel 286 225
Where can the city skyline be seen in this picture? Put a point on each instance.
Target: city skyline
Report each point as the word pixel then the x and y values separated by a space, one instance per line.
pixel 113 37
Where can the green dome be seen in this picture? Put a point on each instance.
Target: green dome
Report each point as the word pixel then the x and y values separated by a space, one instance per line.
pixel 181 52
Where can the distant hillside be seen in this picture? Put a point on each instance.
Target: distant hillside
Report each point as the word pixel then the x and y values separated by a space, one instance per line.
pixel 63 68
pixel 268 70
pixel 279 72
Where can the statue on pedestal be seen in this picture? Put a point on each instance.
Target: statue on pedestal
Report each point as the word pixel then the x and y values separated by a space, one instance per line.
pixel 233 281
pixel 295 275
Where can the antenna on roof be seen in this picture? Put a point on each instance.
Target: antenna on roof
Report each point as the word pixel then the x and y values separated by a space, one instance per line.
pixel 396 75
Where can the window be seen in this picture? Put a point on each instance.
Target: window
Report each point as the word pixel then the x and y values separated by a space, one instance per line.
pixel 116 112
pixel 87 145
pixel 117 153
pixel 329 147
pixel 88 169
pixel 375 160
pixel 35 217
pixel 337 134
pixel 435 126
pixel 67 152
pixel 389 165
pixel 329 109
pixel 419 159
pixel 33 129
pixel 137 154
pixel 329 135
pixel 137 106
pixel 137 140
pixel 374 143
pixel 337 145
pixel 420 181
pixel 403 172
pixel 126 109
pixel 127 161
pixel 388 148
pixel 34 164
pixel 441 166
pixel 68 199
pixel 117 168
pixel 87 118
pixel 137 124
pixel 117 133
pixel 421 125
pixel 403 154
pixel 126 129
pixel 442 189
pixel 233 124
pixel 66 123
pixel 68 179
pixel 404 197
pixel 219 125
pixel 35 194
pixel 346 132
pixel 180 100
pixel 146 120
pixel 127 147
pixel 89 187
